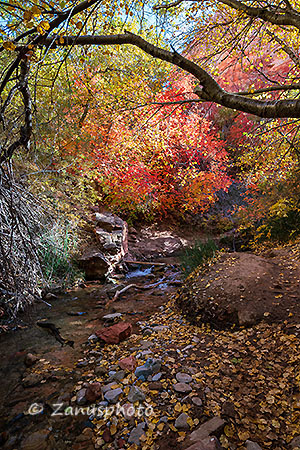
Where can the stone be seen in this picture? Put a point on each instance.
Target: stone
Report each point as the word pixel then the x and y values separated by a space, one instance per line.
pixel 197 401
pixel 208 443
pixel 115 333
pixel 136 434
pixel 160 328
pixel 108 387
pixel 80 397
pixel 183 377
pixel 147 331
pixel 212 426
pixel 113 395
pixel 155 386
pixel 110 317
pixel 181 422
pixel 250 445
pixel 136 395
pixel 92 338
pixel 36 441
pixel 100 370
pixel 128 363
pixel 157 376
pixel 145 345
pixel 30 359
pixel 128 411
pixel 228 409
pixel 94 264
pixel 182 388
pixel 93 392
pixel 150 367
pixel 32 379
pixel 116 376
pixel 107 437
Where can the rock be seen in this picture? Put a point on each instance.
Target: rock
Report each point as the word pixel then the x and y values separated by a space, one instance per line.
pixel 128 411
pixel 116 333
pixel 95 264
pixel 116 376
pixel 160 328
pixel 208 443
pixel 136 395
pixel 136 434
pixel 93 392
pixel 197 401
pixel 183 377
pixel 252 446
pixel 108 387
pixel 108 221
pixel 181 422
pixel 145 345
pixel 80 397
pixel 212 426
pixel 128 363
pixel 30 359
pixel 228 409
pixel 112 316
pixel 32 379
pixel 295 442
pixel 36 441
pixel 155 386
pixel 92 338
pixel 157 376
pixel 182 388
pixel 150 367
pixel 247 318
pixel 147 331
pixel 100 370
pixel 107 437
pixel 113 395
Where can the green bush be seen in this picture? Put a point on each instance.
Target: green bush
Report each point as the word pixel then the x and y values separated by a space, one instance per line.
pixel 193 257
pixel 56 250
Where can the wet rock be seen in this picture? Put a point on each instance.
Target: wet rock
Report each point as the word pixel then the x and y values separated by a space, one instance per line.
pixel 208 443
pixel 250 445
pixel 135 395
pixel 212 426
pixel 116 333
pixel 36 441
pixel 32 380
pixel 150 367
pixel 30 359
pixel 136 434
pixel 182 388
pixel 181 422
pixel 93 392
pixel 197 401
pixel 183 377
pixel 113 395
pixel 128 363
pixel 80 397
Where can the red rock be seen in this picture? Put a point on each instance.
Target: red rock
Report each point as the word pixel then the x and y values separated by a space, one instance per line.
pixel 107 435
pixel 121 443
pixel 128 363
pixel 93 392
pixel 116 333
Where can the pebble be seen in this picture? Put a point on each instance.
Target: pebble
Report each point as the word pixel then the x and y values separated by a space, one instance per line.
pixel 250 445
pixel 116 376
pixel 157 376
pixel 182 388
pixel 108 387
pixel 151 366
pixel 112 316
pixel 183 377
pixel 197 401
pixel 181 422
pixel 135 395
pixel 136 434
pixel 113 395
pixel 80 397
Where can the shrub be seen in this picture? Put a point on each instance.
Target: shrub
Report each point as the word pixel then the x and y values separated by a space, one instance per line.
pixel 195 256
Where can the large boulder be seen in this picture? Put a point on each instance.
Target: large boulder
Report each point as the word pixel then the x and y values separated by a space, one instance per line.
pixel 99 259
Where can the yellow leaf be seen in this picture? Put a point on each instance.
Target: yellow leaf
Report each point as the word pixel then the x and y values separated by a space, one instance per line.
pixel 160 426
pixel 113 429
pixel 9 45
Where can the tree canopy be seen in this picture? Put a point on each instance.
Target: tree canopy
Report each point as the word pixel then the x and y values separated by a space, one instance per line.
pixel 196 37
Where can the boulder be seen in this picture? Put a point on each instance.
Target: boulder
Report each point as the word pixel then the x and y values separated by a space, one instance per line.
pixel 212 426
pixel 116 333
pixel 94 264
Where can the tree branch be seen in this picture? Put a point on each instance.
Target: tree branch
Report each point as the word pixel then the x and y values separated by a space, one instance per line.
pixel 210 90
